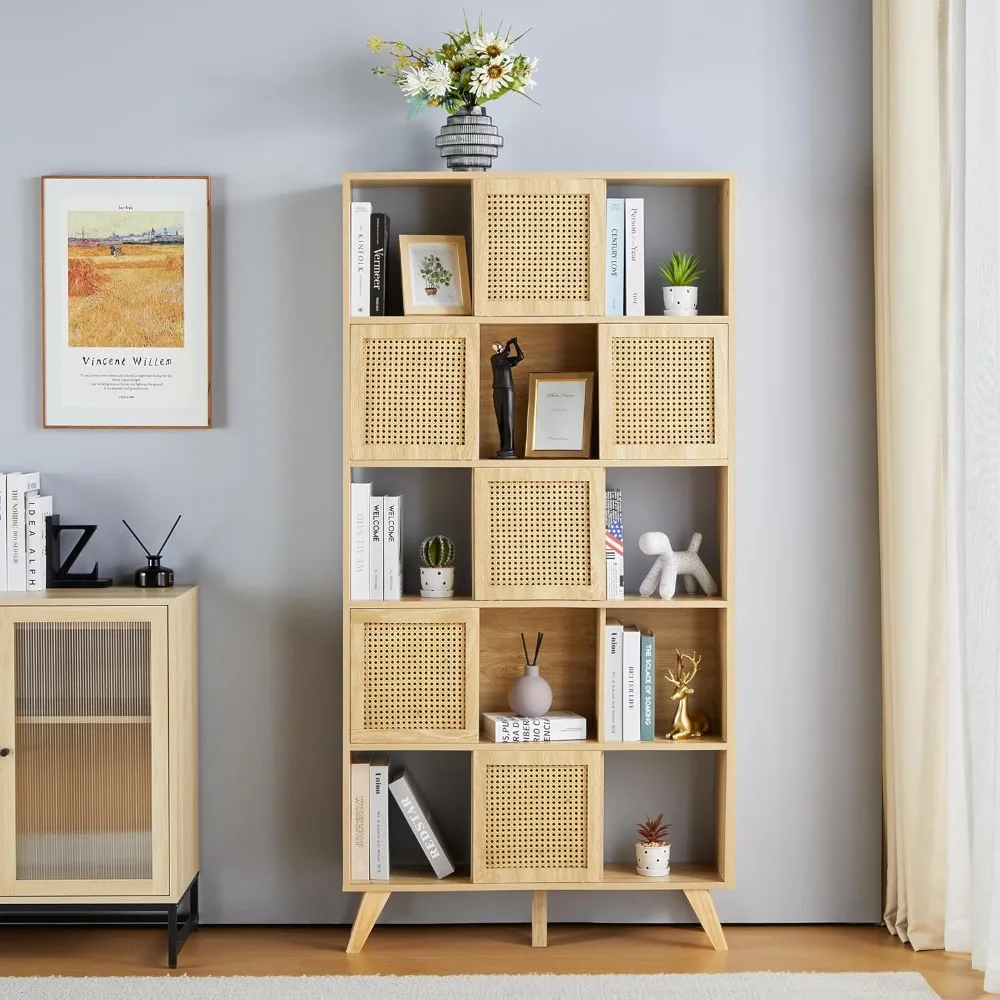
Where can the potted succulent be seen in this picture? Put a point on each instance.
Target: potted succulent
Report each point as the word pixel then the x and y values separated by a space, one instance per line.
pixel 680 293
pixel 652 849
pixel 437 572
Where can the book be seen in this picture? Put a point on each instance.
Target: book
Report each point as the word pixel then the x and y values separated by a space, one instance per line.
pixel 360 541
pixel 378 819
pixel 631 727
pixel 635 263
pixel 3 529
pixel 361 212
pixel 614 546
pixel 376 589
pixel 418 817
pixel 18 484
pixel 392 557
pixel 614 280
pixel 506 727
pixel 360 860
pixel 647 687
pixel 37 508
pixel 379 260
pixel 613 638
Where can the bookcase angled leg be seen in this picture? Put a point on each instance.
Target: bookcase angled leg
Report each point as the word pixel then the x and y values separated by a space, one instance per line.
pixel 704 910
pixel 539 919
pixel 369 909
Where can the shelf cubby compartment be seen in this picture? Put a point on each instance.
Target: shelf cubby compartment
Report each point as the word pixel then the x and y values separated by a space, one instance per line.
pixel 663 391
pixel 413 676
pixel 539 246
pixel 536 816
pixel 538 533
pixel 413 391
pixel 548 347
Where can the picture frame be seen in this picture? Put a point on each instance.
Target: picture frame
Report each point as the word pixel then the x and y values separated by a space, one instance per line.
pixel 560 415
pixel 126 302
pixel 435 271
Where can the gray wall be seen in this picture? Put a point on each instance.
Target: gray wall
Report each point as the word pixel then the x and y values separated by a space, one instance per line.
pixel 274 103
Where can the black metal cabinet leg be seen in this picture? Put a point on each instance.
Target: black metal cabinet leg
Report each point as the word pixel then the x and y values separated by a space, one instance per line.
pixel 195 903
pixel 172 936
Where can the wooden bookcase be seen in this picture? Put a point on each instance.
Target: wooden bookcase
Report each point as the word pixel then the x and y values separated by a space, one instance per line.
pixel 417 396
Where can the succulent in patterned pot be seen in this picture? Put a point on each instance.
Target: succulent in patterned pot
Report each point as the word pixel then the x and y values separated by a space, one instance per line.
pixel 437 570
pixel 680 293
pixel 652 849
pixel 468 69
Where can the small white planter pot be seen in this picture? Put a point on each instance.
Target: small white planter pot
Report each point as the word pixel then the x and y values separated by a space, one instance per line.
pixel 437 581
pixel 652 859
pixel 680 300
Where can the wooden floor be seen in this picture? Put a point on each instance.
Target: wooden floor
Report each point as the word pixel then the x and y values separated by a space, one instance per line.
pixel 581 948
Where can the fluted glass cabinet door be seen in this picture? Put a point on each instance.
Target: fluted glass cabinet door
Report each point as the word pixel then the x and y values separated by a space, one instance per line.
pixel 84 786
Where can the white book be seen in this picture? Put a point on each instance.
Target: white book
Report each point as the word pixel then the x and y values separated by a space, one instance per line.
pixel 359 822
pixel 614 278
pixel 361 251
pixel 3 529
pixel 614 633
pixel 392 553
pixel 635 263
pixel 360 541
pixel 37 508
pixel 421 823
pixel 506 727
pixel 378 811
pixel 18 484
pixel 631 703
pixel 376 589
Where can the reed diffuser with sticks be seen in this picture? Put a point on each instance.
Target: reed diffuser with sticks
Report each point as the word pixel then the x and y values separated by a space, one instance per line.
pixel 530 695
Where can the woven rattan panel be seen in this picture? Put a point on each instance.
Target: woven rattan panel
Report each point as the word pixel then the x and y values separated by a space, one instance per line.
pixel 414 391
pixel 538 247
pixel 663 390
pixel 539 533
pixel 414 675
pixel 536 816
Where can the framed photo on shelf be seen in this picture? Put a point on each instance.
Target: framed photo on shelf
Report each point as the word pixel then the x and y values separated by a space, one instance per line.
pixel 435 273
pixel 126 305
pixel 560 412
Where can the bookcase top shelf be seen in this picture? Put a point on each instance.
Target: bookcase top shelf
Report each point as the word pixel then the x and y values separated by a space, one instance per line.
pixel 438 177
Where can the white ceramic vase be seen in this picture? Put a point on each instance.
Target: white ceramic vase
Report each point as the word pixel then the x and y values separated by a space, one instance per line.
pixel 437 581
pixel 530 695
pixel 652 859
pixel 680 300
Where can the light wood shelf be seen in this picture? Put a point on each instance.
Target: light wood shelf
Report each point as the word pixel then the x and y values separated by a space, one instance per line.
pixel 82 720
pixel 628 354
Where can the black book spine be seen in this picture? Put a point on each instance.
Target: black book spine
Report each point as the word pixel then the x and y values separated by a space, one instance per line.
pixel 379 259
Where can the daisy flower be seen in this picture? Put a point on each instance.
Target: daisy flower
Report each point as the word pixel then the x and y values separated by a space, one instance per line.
pixel 487 80
pixel 489 45
pixel 438 79
pixel 528 73
pixel 413 82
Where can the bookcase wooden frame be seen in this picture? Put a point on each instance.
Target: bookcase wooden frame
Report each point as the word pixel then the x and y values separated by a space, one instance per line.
pixel 698 619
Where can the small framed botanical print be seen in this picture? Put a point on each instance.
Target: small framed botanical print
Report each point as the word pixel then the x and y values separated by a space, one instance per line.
pixel 126 324
pixel 435 273
pixel 560 413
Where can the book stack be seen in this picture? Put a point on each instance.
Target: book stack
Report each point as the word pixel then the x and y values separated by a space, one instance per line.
pixel 614 545
pixel 369 259
pixel 629 693
pixel 625 280
pixel 556 727
pixel 376 545
pixel 23 511
pixel 371 788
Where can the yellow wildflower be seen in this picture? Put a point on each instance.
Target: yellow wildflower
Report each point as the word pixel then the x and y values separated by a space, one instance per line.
pixel 375 43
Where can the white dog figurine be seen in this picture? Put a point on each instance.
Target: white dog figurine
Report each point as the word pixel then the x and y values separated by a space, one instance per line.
pixel 670 563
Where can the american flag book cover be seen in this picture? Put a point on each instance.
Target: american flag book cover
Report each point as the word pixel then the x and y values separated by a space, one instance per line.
pixel 614 546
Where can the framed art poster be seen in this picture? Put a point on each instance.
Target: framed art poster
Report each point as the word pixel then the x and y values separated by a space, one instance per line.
pixel 126 325
pixel 435 273
pixel 560 408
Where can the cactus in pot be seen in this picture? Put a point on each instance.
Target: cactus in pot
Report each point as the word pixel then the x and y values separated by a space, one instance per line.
pixel 437 570
pixel 680 293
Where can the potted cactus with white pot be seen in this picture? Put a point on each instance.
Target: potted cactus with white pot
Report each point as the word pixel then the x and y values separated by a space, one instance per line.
pixel 437 570
pixel 680 293
pixel 652 849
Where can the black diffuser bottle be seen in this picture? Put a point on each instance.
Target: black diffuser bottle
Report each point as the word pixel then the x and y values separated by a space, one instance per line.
pixel 153 575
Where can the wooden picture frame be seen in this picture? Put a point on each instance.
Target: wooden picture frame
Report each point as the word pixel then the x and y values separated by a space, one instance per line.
pixel 126 302
pixel 446 262
pixel 560 410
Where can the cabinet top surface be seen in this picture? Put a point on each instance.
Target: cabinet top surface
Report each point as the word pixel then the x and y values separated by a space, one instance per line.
pixel 95 596
pixel 375 178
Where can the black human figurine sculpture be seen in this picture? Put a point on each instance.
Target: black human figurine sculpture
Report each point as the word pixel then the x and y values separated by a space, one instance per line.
pixel 503 393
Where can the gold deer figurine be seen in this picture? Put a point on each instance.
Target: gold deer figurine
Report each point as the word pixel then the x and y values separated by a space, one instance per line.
pixel 685 727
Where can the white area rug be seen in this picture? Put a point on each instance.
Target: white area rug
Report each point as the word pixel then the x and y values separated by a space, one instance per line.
pixel 744 986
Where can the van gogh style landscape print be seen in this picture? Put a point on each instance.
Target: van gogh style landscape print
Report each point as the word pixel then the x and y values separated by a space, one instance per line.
pixel 126 279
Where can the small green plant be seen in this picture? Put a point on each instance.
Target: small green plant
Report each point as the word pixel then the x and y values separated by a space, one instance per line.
pixel 437 551
pixel 653 831
pixel 681 269
pixel 434 273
